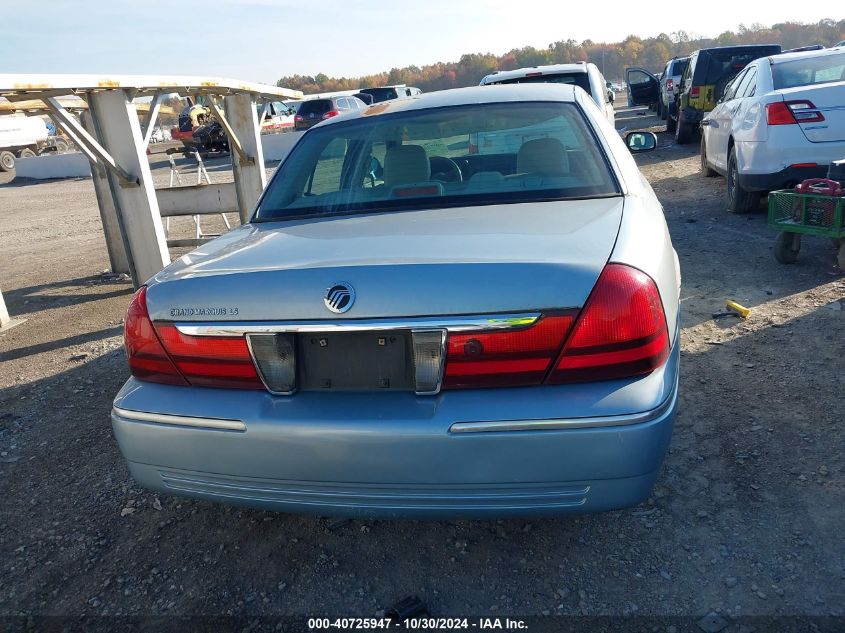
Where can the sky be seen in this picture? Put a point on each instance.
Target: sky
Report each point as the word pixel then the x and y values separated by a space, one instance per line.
pixel 262 40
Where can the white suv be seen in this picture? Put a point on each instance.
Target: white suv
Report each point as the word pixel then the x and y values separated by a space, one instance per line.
pixel 669 82
pixel 582 74
pixel 780 121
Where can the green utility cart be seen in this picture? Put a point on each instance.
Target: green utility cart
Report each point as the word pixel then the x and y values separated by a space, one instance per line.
pixel 815 207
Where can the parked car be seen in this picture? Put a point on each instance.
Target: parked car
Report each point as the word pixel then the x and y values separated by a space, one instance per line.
pixel 386 93
pixel 278 117
pixel 584 75
pixel 157 135
pixel 366 97
pixel 313 111
pixel 842 43
pixel 780 121
pixel 405 329
pixel 669 82
pixel 702 84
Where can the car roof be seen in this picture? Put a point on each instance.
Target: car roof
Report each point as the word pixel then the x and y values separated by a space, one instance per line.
pixel 501 93
pixel 737 47
pixel 788 57
pixel 504 75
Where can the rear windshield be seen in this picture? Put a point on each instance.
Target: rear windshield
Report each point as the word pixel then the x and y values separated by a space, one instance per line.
pixel 716 67
pixel 315 106
pixel 573 79
pixel 455 156
pixel 381 94
pixel 809 71
pixel 678 67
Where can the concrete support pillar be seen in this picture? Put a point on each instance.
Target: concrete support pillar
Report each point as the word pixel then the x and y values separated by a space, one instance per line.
pixel 4 313
pixel 6 322
pixel 250 178
pixel 119 131
pixel 118 260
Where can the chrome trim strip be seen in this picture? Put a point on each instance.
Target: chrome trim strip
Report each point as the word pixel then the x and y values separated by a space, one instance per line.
pixel 216 424
pixel 450 324
pixel 561 424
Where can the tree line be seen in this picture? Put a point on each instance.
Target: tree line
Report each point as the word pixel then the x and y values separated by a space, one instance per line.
pixel 651 53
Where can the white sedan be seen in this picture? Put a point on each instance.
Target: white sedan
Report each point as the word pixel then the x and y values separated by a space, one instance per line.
pixel 780 121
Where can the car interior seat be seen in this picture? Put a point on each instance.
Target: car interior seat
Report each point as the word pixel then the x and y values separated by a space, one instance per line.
pixel 405 164
pixel 545 156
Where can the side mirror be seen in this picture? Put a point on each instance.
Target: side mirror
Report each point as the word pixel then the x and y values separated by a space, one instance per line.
pixel 641 141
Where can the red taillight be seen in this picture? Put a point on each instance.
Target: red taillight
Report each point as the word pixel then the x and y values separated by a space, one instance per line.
pixel 160 353
pixel 621 332
pixel 147 358
pixel 330 114
pixel 779 114
pixel 670 84
pixel 207 361
pixel 792 112
pixel 298 118
pixel 504 358
pixel 694 92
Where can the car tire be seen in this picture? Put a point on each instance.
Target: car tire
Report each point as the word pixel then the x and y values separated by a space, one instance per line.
pixel 787 246
pixel 683 130
pixel 7 161
pixel 61 146
pixel 26 153
pixel 664 114
pixel 659 107
pixel 671 123
pixel 738 199
pixel 705 166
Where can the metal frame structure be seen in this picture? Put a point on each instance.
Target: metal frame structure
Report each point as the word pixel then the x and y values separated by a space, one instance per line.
pixel 114 138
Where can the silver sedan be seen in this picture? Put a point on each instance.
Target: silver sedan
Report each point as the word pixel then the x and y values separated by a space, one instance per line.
pixel 463 304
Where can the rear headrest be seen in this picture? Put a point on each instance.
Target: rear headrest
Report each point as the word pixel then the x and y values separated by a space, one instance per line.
pixel 404 164
pixel 542 156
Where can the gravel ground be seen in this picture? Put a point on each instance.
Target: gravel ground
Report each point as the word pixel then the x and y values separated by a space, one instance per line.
pixel 744 520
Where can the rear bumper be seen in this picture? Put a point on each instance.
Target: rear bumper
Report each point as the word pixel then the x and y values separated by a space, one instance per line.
pixel 399 455
pixel 784 178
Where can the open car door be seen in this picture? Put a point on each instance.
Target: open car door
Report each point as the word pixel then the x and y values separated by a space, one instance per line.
pixel 643 87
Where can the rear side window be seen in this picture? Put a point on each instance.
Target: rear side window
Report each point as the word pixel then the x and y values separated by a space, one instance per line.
pixel 809 71
pixel 573 79
pixel 316 106
pixel 678 67
pixel 470 155
pixel 718 66
pixel 749 84
pixel 381 94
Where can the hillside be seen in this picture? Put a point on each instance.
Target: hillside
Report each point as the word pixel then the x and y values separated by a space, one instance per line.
pixel 649 53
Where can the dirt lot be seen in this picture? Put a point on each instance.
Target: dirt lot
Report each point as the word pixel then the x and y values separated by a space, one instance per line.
pixel 744 521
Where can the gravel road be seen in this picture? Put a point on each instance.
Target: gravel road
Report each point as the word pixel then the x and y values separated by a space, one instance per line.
pixel 744 520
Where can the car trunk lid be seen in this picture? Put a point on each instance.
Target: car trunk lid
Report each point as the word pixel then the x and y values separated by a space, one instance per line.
pixel 459 261
pixel 829 100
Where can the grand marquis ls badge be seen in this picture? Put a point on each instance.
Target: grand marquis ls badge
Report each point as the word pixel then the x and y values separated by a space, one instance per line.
pixel 339 297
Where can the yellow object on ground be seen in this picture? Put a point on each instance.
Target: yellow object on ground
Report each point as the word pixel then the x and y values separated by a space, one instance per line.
pixel 740 310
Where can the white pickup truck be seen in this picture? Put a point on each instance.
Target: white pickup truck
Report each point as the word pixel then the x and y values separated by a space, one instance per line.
pixel 25 136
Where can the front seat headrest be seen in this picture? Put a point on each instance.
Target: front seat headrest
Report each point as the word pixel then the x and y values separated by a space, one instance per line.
pixel 405 164
pixel 542 156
